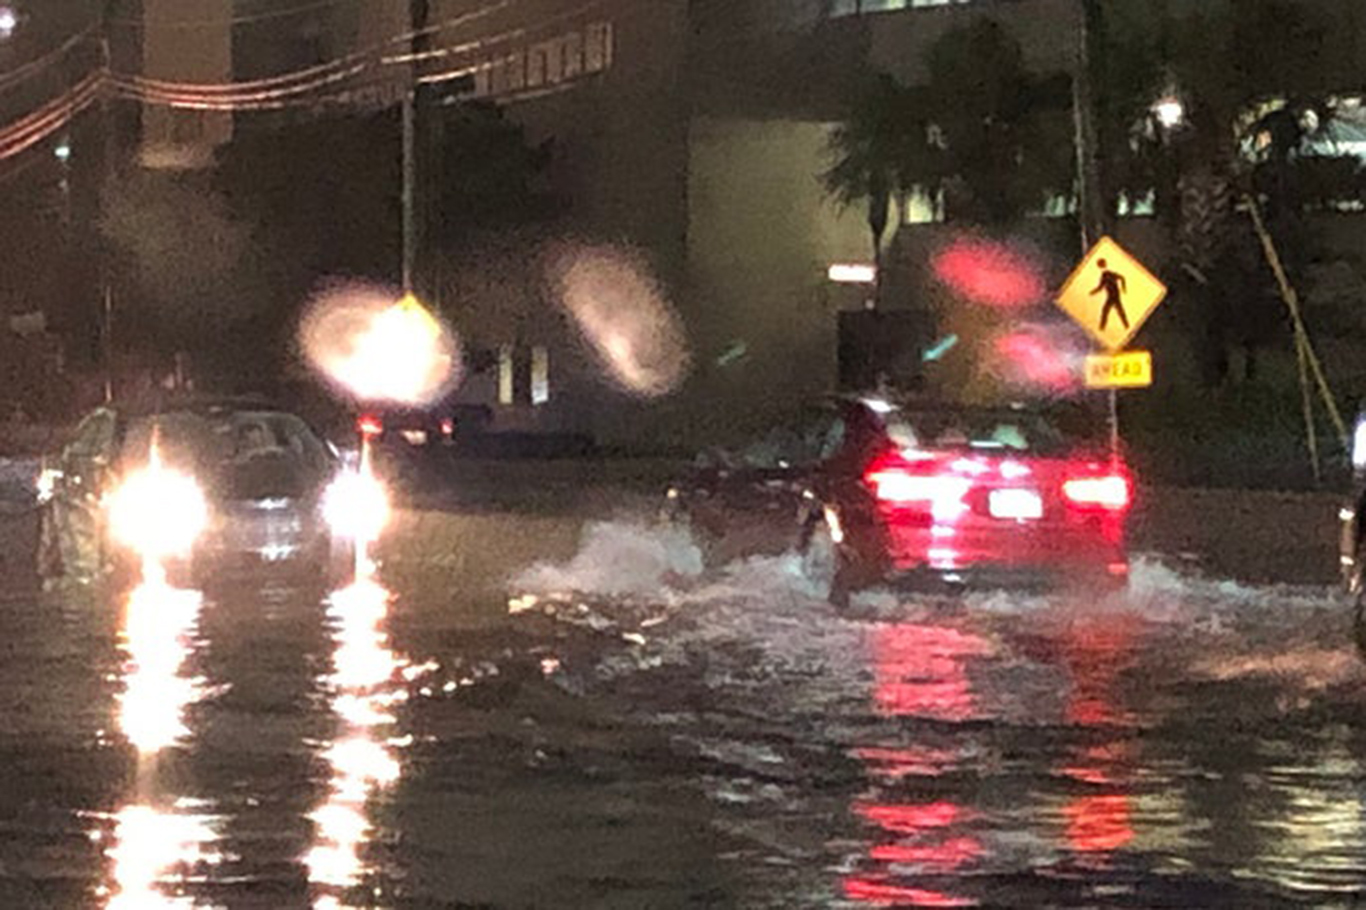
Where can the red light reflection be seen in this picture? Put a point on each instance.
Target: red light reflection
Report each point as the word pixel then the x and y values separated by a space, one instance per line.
pixel 990 272
pixel 1032 357
pixel 1098 824
pixel 1096 652
pixel 921 671
pixel 882 894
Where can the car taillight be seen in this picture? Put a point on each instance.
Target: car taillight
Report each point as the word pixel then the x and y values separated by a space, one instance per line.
pixel 1109 492
pixel 369 426
pixel 900 483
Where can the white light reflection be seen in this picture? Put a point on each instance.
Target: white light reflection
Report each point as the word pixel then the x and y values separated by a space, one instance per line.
pixel 366 340
pixel 151 848
pixel 159 627
pixel 623 315
pixel 158 844
pixel 366 685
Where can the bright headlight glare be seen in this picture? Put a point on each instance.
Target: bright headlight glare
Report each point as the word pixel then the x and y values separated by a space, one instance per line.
pixel 356 506
pixel 1359 445
pixel 157 512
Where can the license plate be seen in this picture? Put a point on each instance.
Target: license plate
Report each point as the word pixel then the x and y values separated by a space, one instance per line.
pixel 1016 505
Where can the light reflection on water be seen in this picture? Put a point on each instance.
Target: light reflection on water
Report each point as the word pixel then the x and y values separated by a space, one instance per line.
pixel 365 686
pixel 920 672
pixel 159 844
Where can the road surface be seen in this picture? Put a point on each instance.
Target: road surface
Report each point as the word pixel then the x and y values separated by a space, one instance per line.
pixel 548 707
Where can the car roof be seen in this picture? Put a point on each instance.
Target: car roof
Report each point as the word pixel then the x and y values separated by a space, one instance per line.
pixel 203 405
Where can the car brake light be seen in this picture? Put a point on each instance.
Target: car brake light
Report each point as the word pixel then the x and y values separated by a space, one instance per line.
pixel 369 426
pixel 895 483
pixel 1111 492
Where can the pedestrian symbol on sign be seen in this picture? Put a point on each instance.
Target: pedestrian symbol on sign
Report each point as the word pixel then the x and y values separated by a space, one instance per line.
pixel 1114 286
pixel 1111 295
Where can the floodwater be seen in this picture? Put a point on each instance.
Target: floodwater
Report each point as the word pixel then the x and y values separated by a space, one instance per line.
pixel 545 711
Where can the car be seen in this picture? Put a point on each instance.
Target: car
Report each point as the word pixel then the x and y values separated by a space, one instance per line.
pixel 878 491
pixel 213 489
pixel 423 427
pixel 1352 545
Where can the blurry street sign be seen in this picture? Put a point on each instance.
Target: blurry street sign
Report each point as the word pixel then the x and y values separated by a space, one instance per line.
pixel 1111 295
pixel 1130 370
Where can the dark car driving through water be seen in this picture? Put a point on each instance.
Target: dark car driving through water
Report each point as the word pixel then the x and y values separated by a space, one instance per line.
pixel 214 488
pixel 874 490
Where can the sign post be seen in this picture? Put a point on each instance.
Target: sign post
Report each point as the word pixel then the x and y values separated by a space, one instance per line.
pixel 1111 295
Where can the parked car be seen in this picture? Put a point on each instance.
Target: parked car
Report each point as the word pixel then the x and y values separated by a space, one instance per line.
pixel 211 488
pixel 875 491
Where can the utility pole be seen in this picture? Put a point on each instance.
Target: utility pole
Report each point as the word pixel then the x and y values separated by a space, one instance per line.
pixel 1091 200
pixel 419 14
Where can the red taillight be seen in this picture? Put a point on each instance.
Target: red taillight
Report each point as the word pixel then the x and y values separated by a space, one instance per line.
pixel 448 427
pixel 898 482
pixel 369 426
pixel 1111 492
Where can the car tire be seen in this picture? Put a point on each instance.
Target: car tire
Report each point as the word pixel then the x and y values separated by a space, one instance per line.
pixel 824 564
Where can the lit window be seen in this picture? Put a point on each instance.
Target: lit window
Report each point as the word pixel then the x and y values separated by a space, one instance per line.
pixel 922 207
pixel 597 53
pixel 535 68
pixel 554 62
pixel 506 374
pixel 573 55
pixel 1139 207
pixel 516 66
pixel 540 376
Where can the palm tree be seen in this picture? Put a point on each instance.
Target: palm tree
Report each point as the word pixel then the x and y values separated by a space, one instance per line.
pixel 873 151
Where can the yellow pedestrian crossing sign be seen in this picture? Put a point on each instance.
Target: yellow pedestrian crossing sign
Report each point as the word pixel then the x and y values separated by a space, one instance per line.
pixel 1111 295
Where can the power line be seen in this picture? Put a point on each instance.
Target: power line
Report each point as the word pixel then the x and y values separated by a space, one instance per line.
pixel 147 25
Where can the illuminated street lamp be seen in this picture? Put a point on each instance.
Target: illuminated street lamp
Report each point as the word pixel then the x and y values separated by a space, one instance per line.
pixel 1170 112
pixel 9 21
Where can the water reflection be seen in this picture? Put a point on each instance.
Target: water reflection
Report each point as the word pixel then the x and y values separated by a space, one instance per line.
pixel 1099 817
pixel 920 672
pixel 365 686
pixel 160 846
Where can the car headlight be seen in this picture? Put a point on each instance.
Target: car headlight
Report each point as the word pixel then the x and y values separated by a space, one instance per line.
pixel 157 511
pixel 356 506
pixel 46 484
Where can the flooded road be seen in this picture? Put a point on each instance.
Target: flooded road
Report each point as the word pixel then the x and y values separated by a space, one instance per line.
pixel 540 711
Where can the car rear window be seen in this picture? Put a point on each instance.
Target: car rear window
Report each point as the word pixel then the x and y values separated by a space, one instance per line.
pixel 211 440
pixel 987 431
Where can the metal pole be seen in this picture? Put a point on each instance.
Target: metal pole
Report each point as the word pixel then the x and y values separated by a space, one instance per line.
pixel 409 187
pixel 1090 205
pixel 419 14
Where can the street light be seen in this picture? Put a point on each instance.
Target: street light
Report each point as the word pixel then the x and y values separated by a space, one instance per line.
pixel 9 21
pixel 1170 112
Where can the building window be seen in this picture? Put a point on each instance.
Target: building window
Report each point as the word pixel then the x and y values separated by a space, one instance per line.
pixel 924 207
pixel 540 376
pixel 573 55
pixel 516 64
pixel 1144 206
pixel 507 372
pixel 535 67
pixel 554 62
pixel 597 50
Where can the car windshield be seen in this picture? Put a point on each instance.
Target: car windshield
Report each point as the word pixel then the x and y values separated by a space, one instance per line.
pixel 1014 432
pixel 251 452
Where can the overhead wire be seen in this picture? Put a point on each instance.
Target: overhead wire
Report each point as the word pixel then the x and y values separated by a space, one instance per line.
pixel 246 19
pixel 274 94
pixel 337 82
